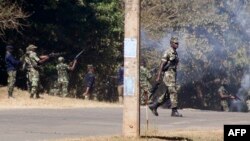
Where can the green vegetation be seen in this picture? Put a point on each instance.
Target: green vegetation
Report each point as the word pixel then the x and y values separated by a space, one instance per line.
pixel 70 26
pixel 213 34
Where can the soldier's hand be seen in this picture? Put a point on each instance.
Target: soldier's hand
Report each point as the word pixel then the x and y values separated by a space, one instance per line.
pixel 232 97
pixel 157 79
pixel 45 57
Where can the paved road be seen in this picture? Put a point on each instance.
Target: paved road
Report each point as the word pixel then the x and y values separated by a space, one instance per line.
pixel 42 124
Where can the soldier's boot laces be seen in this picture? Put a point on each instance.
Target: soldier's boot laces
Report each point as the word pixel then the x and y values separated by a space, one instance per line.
pixel 175 113
pixel 153 107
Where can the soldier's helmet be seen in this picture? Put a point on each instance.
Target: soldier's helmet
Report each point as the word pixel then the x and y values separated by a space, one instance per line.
pixel 30 47
pixel 174 40
pixel 60 59
pixel 9 47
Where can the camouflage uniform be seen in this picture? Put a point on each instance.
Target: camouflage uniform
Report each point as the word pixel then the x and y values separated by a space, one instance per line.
pixel 169 59
pixel 31 60
pixel 145 85
pixel 223 102
pixel 169 78
pixel 63 78
pixel 11 82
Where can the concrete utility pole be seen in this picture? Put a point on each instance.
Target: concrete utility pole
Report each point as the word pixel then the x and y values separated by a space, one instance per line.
pixel 131 111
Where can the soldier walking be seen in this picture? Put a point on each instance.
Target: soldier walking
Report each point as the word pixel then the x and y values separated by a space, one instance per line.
pixel 63 78
pixel 33 61
pixel 11 66
pixel 169 63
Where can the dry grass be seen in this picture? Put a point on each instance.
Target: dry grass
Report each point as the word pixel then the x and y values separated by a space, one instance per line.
pixel 155 135
pixel 22 100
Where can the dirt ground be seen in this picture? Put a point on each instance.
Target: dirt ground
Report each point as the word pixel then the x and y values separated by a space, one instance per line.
pixel 22 100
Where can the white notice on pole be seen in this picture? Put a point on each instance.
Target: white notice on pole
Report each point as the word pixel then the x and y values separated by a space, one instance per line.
pixel 129 86
pixel 130 45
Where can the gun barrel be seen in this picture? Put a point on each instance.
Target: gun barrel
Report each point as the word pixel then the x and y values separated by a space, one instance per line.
pixel 78 54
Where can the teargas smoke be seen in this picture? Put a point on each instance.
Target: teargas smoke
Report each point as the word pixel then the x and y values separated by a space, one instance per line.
pixel 210 52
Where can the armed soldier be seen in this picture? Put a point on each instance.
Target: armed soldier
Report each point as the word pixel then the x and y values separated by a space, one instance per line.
pixel 32 62
pixel 225 97
pixel 11 65
pixel 145 85
pixel 63 78
pixel 168 64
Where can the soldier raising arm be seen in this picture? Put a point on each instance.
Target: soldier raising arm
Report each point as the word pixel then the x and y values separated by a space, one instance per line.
pixel 33 61
pixel 63 78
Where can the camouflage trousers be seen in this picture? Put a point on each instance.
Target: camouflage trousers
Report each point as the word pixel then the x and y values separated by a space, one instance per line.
pixel 171 93
pixel 11 82
pixel 33 78
pixel 63 88
pixel 144 95
pixel 224 105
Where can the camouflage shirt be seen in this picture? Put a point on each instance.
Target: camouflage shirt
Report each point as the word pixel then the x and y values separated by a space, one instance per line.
pixel 62 71
pixel 145 76
pixel 223 90
pixel 31 60
pixel 170 56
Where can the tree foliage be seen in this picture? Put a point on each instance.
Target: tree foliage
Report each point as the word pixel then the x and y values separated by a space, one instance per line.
pixel 94 26
pixel 214 43
pixel 11 17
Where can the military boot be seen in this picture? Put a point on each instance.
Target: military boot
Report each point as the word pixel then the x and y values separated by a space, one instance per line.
pixel 153 107
pixel 10 95
pixel 175 113
pixel 38 96
pixel 31 95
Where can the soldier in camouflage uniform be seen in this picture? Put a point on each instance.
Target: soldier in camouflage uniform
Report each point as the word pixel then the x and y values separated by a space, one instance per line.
pixel 11 65
pixel 32 62
pixel 63 78
pixel 224 95
pixel 170 59
pixel 145 85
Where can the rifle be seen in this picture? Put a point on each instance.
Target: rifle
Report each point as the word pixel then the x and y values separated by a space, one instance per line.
pixel 236 97
pixel 157 84
pixel 165 66
pixel 56 54
pixel 77 56
pixel 154 89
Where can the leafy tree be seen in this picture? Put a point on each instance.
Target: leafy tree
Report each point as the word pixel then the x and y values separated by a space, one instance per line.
pixel 94 26
pixel 214 42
